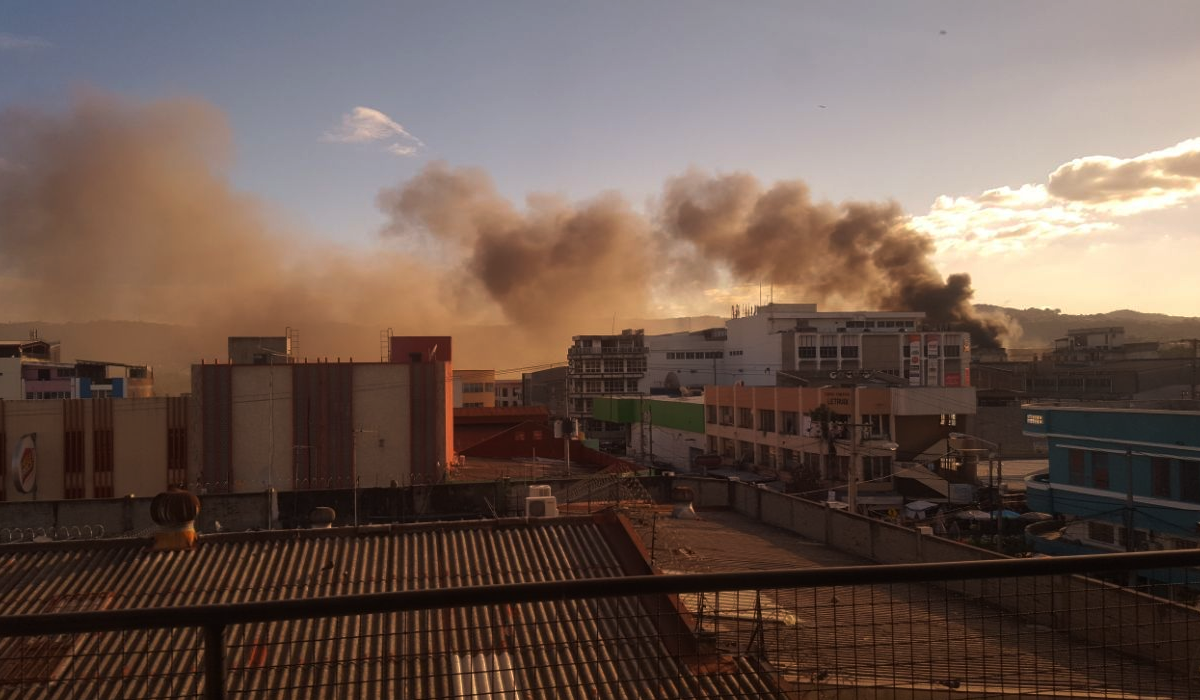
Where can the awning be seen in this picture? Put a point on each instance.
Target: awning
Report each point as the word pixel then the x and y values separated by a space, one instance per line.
pixel 927 479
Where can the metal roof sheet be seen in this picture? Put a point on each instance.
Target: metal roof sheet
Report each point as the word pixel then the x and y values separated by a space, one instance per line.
pixel 594 648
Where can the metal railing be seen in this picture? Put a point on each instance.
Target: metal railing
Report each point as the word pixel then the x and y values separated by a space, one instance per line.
pixel 998 629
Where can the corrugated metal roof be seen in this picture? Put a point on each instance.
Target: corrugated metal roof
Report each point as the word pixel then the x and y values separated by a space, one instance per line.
pixel 589 649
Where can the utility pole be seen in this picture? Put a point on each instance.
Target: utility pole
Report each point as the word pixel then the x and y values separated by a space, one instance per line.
pixel 1129 501
pixel 1195 345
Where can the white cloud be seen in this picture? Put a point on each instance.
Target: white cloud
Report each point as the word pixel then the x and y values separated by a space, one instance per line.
pixel 1082 197
pixel 13 42
pixel 366 125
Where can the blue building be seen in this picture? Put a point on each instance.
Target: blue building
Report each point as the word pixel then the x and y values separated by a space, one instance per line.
pixel 1126 475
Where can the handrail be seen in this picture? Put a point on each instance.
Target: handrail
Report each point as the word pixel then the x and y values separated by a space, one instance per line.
pixel 371 603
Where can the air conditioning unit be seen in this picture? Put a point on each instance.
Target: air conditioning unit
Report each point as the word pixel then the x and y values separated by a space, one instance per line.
pixel 541 507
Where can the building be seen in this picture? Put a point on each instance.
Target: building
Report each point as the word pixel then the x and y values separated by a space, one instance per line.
pixel 261 350
pixel 684 361
pixel 820 437
pixel 790 344
pixel 509 393
pixel 474 388
pixel 604 365
pixel 1126 473
pixel 546 387
pixel 33 370
pixel 95 448
pixel 667 433
pixel 324 425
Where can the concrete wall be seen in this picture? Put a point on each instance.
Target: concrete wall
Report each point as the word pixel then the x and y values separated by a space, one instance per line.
pixel 1087 609
pixel 139 446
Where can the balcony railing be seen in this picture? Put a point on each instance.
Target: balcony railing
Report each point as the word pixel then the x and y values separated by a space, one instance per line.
pixel 996 629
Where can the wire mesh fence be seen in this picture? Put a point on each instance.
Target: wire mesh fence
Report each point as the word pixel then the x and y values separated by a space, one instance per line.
pixel 998 629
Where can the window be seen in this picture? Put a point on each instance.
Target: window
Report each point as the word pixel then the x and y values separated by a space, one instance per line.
pixel 829 346
pixel 1100 470
pixel 1035 419
pixel 745 418
pixel 537 435
pixel 791 423
pixel 670 356
pixel 712 443
pixel 766 456
pixel 1101 532
pixel 807 346
pixel 952 345
pixel 1075 468
pixel 878 424
pixel 591 366
pixel 726 415
pixel 1160 477
pixel 766 420
pixel 1189 481
pixel 745 451
pixel 876 467
pixel 710 413
pixel 727 448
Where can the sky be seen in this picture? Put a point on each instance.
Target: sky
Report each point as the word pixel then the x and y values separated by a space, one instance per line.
pixel 1048 149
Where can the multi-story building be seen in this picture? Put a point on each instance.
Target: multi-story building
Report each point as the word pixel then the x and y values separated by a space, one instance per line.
pixel 474 388
pixel 604 365
pixel 1126 473
pixel 509 392
pixel 789 344
pixel 546 387
pixel 324 425
pixel 33 370
pixel 684 361
pixel 824 435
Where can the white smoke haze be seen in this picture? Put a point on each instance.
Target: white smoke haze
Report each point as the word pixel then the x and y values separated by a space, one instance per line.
pixel 123 210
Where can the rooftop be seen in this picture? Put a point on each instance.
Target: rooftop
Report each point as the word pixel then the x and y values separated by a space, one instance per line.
pixel 408 654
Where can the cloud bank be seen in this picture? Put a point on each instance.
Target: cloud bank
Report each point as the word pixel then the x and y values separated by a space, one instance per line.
pixel 366 125
pixel 1082 197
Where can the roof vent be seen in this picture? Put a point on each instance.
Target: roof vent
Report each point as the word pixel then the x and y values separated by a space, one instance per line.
pixel 322 518
pixel 174 511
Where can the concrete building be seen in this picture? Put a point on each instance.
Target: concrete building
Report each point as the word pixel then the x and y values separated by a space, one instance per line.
pixel 1127 473
pixel 547 387
pixel 324 425
pixel 813 438
pixel 94 448
pixel 790 344
pixel 509 393
pixel 261 350
pixel 33 370
pixel 604 365
pixel 665 432
pixel 474 388
pixel 684 361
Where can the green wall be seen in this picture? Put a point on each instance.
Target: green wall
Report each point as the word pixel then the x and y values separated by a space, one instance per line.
pixel 668 414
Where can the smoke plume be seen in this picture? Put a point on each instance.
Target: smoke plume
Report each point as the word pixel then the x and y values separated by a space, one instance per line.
pixel 116 209
pixel 855 254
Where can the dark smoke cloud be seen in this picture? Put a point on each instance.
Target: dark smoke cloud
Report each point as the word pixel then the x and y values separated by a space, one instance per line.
pixel 550 266
pixel 856 253
pixel 116 209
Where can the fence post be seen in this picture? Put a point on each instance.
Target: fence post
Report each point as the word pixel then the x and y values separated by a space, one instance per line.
pixel 214 661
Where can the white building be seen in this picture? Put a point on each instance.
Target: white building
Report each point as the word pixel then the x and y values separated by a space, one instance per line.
pixel 789 344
